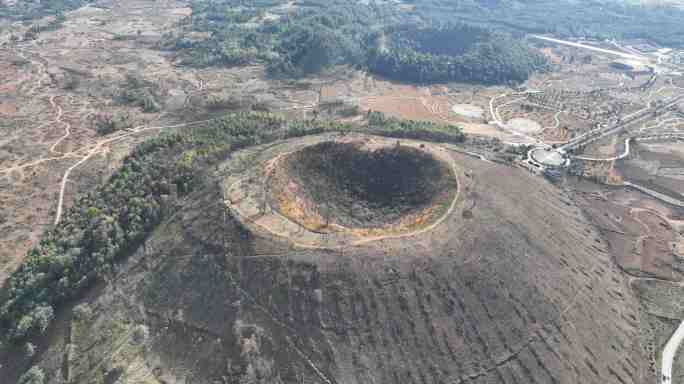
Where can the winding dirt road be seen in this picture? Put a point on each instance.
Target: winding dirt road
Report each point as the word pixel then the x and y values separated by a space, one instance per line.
pixel 58 120
pixel 87 152
pixel 98 147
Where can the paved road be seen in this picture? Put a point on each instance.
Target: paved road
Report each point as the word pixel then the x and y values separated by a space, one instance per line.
pixel 499 123
pixel 675 341
pixel 599 133
pixel 655 194
pixel 618 157
pixel 669 354
pixel 675 136
pixel 592 48
pixel 663 136
pixel 630 119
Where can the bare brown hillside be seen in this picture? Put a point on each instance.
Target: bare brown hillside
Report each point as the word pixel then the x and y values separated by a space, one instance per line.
pixel 513 287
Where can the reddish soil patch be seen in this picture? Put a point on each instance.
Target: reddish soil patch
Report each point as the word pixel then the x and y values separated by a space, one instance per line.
pixel 638 230
pixel 8 88
pixel 409 102
pixel 8 109
pixel 553 58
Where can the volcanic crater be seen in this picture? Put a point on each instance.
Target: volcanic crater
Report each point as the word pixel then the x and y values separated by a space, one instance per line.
pixel 333 186
pixel 334 191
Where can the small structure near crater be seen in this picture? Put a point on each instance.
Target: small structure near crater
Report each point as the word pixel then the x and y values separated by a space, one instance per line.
pixel 547 157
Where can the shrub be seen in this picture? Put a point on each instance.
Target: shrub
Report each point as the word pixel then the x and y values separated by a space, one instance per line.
pixel 35 375
pixel 82 312
pixel 29 350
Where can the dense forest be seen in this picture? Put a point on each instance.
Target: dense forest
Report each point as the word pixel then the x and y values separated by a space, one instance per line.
pixel 307 40
pixel 454 52
pixel 317 35
pixel 601 19
pixel 107 224
pixel 437 40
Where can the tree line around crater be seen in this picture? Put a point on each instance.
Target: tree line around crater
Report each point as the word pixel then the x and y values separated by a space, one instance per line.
pixel 108 223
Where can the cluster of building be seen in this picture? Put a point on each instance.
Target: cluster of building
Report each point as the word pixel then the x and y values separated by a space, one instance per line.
pixel 661 58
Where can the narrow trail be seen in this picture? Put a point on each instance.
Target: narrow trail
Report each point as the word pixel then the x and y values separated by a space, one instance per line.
pixel 65 178
pixel 42 69
pixel 58 120
pixel 84 153
pixel 87 152
pixel 97 148
pixel 69 155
